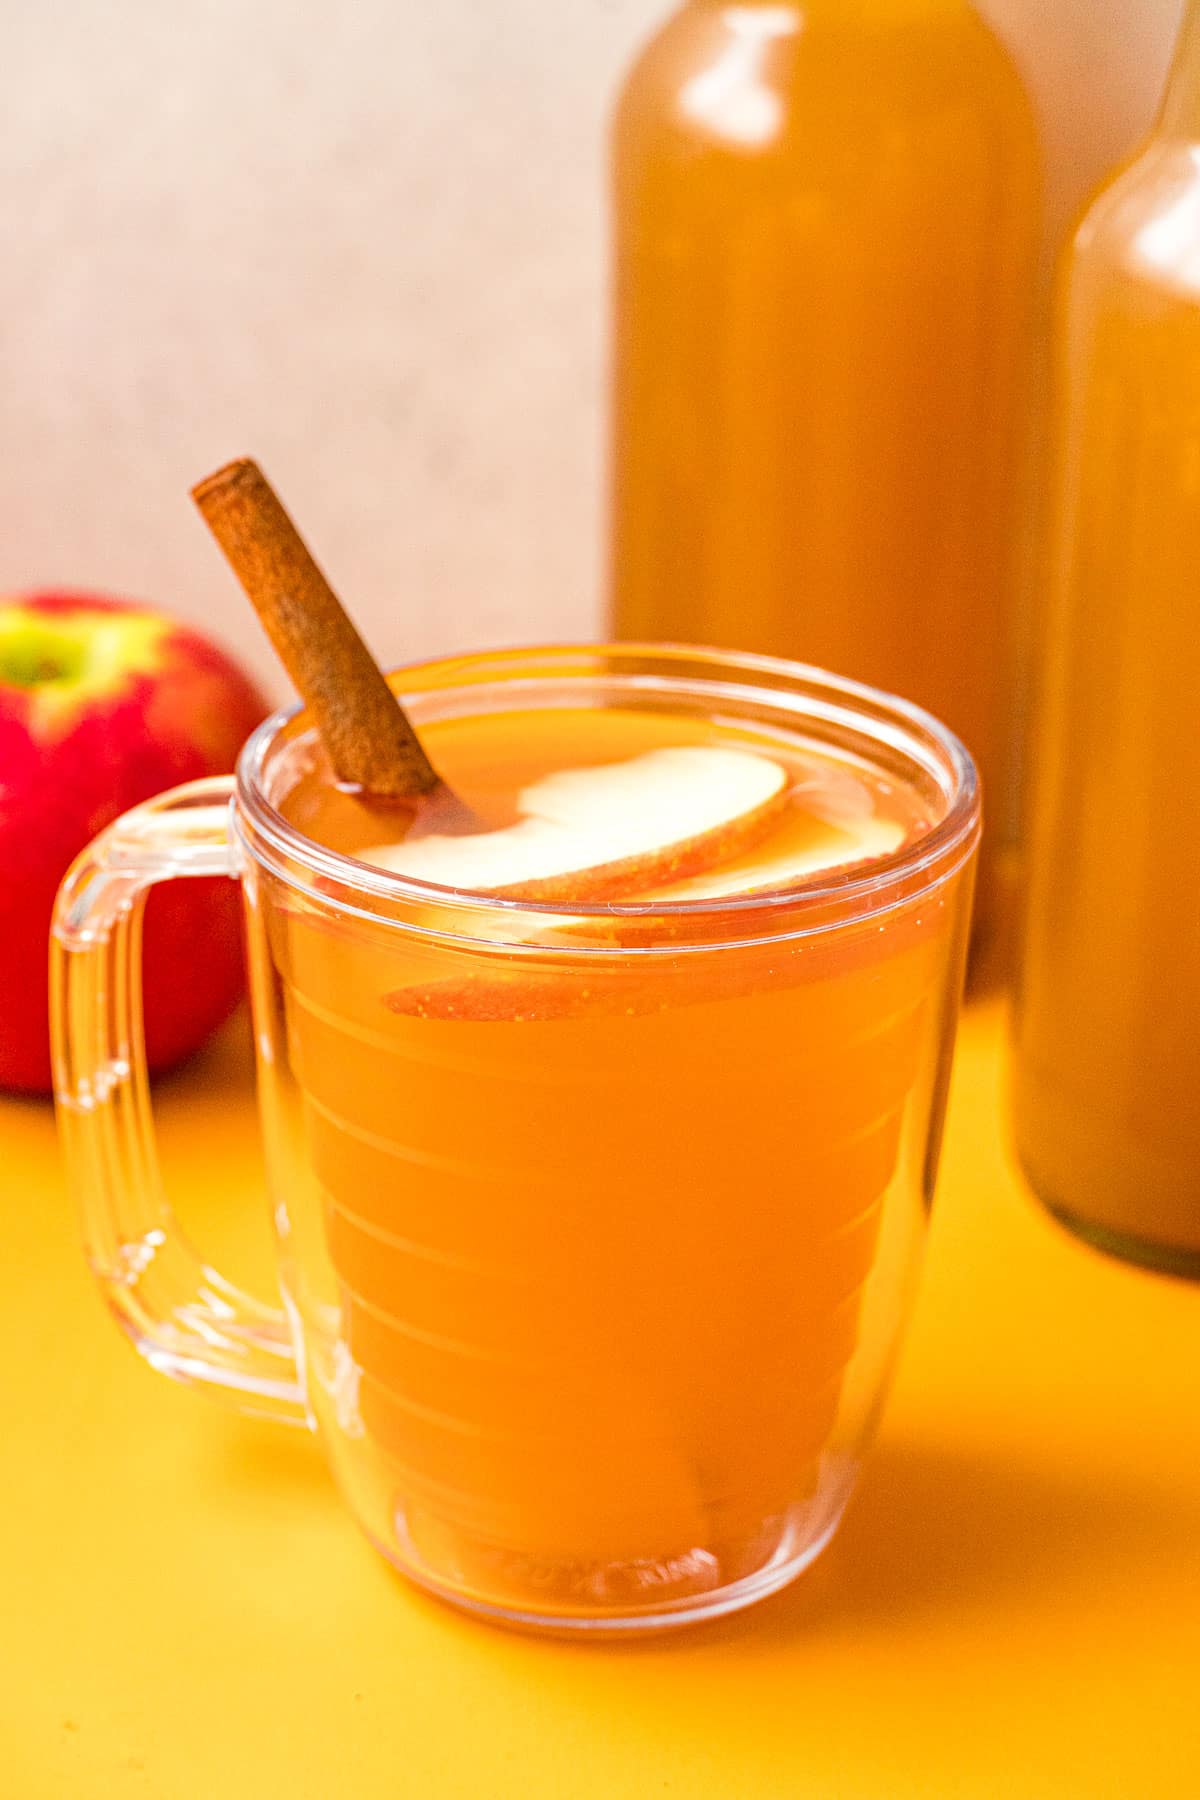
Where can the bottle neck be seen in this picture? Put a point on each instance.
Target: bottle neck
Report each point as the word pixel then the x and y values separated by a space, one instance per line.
pixel 1181 108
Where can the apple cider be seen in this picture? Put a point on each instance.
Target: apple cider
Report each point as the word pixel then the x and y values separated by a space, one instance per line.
pixel 825 221
pixel 1107 1062
pixel 600 1205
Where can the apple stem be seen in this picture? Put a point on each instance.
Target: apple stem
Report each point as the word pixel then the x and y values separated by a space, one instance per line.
pixel 367 733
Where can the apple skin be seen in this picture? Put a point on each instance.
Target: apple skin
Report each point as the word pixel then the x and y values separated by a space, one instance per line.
pixel 104 703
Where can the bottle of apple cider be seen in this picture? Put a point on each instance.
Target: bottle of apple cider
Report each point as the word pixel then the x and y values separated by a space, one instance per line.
pixel 1107 1080
pixel 826 218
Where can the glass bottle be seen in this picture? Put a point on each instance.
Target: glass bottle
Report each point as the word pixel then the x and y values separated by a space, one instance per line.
pixel 1107 1078
pixel 825 229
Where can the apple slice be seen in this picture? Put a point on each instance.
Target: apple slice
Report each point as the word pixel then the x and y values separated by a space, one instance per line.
pixel 606 832
pixel 826 849
pixel 812 847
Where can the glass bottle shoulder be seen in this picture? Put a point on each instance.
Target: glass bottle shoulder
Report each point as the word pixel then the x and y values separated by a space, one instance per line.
pixel 1144 225
pixel 747 73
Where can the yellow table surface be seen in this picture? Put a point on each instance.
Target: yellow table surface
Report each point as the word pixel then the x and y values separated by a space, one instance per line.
pixel 1011 1609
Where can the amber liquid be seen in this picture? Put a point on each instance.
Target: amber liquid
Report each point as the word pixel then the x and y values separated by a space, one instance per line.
pixel 1108 1044
pixel 597 1235
pixel 825 224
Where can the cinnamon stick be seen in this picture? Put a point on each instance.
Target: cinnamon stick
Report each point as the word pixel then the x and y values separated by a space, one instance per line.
pixel 365 730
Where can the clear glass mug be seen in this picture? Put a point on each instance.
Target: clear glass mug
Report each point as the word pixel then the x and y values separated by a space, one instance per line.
pixel 597 1230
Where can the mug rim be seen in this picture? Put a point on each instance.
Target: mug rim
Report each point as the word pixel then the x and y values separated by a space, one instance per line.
pixel 937 854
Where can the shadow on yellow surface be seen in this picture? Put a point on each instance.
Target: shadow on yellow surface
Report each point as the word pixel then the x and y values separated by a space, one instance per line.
pixel 252 1456
pixel 933 1532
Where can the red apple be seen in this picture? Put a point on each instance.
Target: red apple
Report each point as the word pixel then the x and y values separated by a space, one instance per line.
pixel 102 704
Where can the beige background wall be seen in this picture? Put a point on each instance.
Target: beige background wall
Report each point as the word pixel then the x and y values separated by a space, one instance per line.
pixel 366 244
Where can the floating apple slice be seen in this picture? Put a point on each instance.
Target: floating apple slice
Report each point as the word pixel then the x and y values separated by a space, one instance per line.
pixel 824 849
pixel 607 832
pixel 515 994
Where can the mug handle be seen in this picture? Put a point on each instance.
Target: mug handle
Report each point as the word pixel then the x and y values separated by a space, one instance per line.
pixel 184 1318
